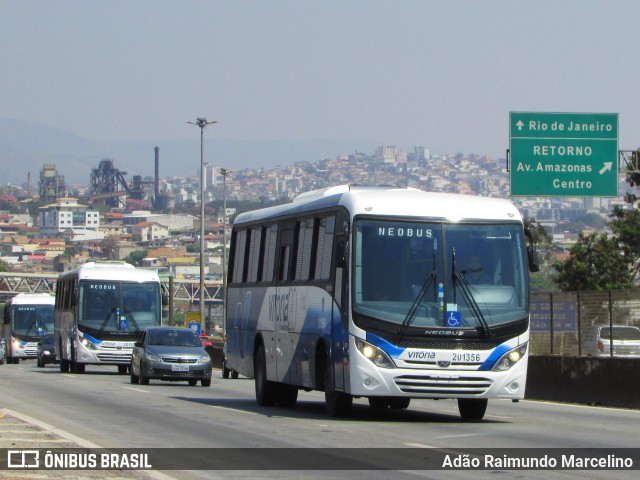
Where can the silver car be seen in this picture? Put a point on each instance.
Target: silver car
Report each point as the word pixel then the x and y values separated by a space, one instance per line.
pixel 599 340
pixel 170 353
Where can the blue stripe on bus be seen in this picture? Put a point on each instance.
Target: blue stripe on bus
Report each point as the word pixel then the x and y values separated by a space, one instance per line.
pixel 495 356
pixel 388 347
pixel 95 341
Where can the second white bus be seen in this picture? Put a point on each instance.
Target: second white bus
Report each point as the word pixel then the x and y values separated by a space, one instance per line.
pixel 100 311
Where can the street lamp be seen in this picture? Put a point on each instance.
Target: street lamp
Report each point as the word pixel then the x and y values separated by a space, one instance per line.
pixel 224 172
pixel 202 123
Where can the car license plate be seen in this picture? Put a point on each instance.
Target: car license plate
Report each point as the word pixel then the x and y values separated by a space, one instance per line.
pixel 179 368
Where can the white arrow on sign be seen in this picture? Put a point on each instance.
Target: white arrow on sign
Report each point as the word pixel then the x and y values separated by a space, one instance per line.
pixel 519 124
pixel 607 166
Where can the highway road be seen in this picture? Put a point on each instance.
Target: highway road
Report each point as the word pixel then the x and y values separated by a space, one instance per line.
pixel 107 410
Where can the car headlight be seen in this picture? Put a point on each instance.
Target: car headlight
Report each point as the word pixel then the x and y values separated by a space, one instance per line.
pixel 88 344
pixel 152 357
pixel 204 359
pixel 376 355
pixel 510 358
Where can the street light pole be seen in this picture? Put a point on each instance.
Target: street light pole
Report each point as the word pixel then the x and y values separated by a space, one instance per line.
pixel 224 172
pixel 202 123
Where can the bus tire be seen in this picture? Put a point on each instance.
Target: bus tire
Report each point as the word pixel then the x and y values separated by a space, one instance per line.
pixel 287 395
pixel 122 369
pixel 234 374
pixel 472 408
pixel 338 404
pixel 64 365
pixel 265 390
pixel 379 403
pixel 399 403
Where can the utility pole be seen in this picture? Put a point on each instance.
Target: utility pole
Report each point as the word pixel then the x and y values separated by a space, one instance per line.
pixel 224 172
pixel 202 123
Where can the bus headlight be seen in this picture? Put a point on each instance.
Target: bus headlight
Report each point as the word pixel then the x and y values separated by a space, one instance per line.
pixel 510 358
pixel 88 344
pixel 377 356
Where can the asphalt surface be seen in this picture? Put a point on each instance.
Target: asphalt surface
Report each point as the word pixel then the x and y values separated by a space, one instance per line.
pixel 18 431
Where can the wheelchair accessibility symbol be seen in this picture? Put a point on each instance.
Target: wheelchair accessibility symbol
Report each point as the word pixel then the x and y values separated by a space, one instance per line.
pixel 454 319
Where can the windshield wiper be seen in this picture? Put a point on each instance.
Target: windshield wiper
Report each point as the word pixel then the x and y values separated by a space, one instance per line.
pixel 129 314
pixel 413 310
pixel 109 315
pixel 467 293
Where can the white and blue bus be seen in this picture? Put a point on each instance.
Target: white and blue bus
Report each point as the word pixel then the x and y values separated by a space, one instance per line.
pixel 386 293
pixel 100 311
pixel 27 316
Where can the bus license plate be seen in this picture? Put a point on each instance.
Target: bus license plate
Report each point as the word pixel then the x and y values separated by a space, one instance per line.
pixel 179 368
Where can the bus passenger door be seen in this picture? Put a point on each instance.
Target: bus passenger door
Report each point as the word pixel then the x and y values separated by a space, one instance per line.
pixel 282 308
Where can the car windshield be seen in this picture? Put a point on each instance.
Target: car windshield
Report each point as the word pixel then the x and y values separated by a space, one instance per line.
pixel 621 333
pixel 176 338
pixel 439 275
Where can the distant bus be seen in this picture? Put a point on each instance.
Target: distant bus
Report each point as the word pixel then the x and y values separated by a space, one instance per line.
pixel 386 293
pixel 100 310
pixel 27 316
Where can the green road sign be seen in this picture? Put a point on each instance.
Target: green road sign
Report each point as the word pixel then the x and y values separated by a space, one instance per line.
pixel 564 154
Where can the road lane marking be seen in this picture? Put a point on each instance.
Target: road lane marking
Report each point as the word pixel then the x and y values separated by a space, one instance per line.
pixel 81 442
pixel 136 389
pixel 233 409
pixel 419 445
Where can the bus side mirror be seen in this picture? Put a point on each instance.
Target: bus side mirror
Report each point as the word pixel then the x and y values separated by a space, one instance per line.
pixel 165 299
pixel 341 252
pixel 532 252
pixel 534 262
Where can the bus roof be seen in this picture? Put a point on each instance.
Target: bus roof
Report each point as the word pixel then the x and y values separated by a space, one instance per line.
pixel 112 271
pixel 32 299
pixel 393 201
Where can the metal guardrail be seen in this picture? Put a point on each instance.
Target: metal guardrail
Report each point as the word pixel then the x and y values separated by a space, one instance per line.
pixel 12 283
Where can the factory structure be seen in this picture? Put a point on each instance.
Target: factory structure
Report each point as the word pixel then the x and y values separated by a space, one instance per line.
pixel 108 186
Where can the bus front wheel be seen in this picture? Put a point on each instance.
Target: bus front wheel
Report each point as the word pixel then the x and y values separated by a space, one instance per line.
pixel 338 403
pixel 472 408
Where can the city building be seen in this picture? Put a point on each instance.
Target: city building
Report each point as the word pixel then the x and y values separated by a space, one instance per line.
pixel 68 219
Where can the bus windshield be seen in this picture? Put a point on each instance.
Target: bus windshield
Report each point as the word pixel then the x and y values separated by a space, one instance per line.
pixel 117 308
pixel 443 275
pixel 32 320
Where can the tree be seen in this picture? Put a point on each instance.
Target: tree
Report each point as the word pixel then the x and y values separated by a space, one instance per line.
pixel 596 262
pixel 633 177
pixel 625 224
pixel 542 281
pixel 135 258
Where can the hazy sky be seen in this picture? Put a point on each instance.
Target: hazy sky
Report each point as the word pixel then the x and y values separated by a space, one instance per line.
pixel 444 74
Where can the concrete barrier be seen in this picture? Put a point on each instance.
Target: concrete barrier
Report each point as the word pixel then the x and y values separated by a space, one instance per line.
pixel 613 382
